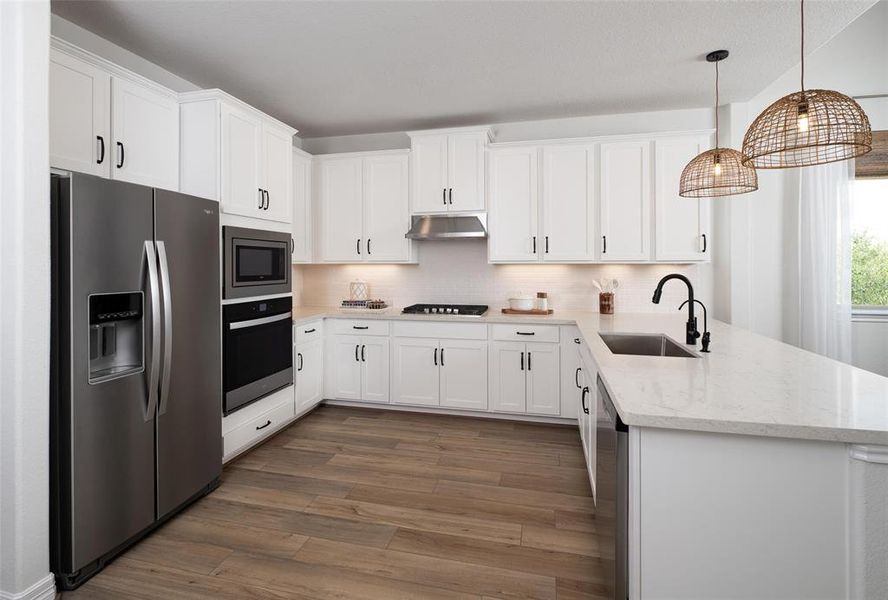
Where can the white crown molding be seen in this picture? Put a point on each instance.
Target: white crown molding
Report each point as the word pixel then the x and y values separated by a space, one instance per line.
pixel 868 453
pixel 223 96
pixel 620 137
pixel 483 129
pixel 360 154
pixel 42 590
pixel 57 43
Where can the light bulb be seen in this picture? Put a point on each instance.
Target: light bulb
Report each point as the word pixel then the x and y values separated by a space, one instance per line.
pixel 717 169
pixel 803 122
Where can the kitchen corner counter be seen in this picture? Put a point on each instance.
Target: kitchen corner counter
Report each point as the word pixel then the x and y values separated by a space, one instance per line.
pixel 748 384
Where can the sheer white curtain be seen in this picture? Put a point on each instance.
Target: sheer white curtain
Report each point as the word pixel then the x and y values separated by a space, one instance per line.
pixel 825 259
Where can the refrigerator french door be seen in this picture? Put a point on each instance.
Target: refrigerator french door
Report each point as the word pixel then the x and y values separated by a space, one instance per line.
pixel 136 364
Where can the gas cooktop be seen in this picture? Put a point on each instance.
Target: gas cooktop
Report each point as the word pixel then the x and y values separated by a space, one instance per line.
pixel 462 310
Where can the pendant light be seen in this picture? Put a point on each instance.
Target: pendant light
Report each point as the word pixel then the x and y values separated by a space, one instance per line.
pixel 808 127
pixel 720 171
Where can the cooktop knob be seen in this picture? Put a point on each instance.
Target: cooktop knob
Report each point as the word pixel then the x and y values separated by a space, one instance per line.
pixel 456 311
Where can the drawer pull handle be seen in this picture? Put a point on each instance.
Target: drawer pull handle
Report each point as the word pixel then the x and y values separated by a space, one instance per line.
pixel 576 340
pixel 309 330
pixel 360 327
pixel 525 332
pixel 267 423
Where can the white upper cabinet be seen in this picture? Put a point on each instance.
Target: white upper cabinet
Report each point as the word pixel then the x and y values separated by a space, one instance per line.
pixel 237 155
pixel 448 170
pixel 109 122
pixel 145 132
pixel 241 193
pixel 625 203
pixel 79 116
pixel 568 232
pixel 513 192
pixel 341 199
pixel 429 173
pixel 277 162
pixel 302 213
pixel 682 224
pixel 386 208
pixel 364 206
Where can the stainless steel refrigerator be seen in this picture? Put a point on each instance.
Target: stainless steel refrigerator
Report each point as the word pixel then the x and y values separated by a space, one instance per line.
pixel 136 364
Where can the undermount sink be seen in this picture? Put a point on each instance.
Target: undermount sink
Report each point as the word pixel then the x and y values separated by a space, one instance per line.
pixel 644 344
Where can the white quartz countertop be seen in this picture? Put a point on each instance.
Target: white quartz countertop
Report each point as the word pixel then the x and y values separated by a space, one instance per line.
pixel 748 384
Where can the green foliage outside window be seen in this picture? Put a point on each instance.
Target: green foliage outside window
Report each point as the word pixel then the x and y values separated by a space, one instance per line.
pixel 869 270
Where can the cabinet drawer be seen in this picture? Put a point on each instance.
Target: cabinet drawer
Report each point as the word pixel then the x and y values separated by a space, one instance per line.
pixel 524 333
pixel 453 331
pixel 308 332
pixel 358 327
pixel 257 427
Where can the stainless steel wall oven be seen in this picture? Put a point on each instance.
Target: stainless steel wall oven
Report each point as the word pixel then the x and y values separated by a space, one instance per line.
pixel 257 350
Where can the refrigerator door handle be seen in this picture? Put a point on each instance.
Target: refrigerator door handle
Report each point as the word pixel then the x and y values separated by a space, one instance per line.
pixel 167 327
pixel 153 365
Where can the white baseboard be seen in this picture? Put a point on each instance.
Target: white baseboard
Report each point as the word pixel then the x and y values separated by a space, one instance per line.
pixel 42 590
pixel 459 413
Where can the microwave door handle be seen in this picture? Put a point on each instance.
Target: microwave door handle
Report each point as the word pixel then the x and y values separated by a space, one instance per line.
pixel 167 328
pixel 153 364
pixel 262 321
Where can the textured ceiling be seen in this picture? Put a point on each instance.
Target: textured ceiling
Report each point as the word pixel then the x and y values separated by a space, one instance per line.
pixel 336 68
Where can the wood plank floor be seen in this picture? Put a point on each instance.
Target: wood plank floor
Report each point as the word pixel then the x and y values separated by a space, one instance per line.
pixel 382 505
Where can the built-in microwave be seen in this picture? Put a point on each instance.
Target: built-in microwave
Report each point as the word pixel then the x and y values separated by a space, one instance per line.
pixel 256 262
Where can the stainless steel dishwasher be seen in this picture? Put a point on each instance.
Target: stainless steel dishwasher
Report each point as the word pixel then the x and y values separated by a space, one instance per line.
pixel 612 484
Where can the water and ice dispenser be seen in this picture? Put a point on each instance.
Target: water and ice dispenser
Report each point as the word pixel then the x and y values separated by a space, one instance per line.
pixel 116 324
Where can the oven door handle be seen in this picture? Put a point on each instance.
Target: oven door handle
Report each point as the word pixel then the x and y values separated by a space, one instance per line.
pixel 262 321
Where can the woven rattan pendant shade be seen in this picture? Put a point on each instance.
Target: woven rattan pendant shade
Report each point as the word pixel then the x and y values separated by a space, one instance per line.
pixel 808 127
pixel 720 171
pixel 701 179
pixel 837 129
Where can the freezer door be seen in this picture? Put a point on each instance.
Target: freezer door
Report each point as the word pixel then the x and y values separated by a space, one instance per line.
pixel 189 415
pixel 108 430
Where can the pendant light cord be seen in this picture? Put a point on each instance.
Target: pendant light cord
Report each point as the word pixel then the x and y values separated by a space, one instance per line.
pixel 716 103
pixel 803 45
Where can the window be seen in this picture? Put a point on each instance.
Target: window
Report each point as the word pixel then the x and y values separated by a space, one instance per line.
pixel 869 251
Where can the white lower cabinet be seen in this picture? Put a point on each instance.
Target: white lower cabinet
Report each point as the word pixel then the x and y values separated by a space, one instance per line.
pixel 308 362
pixel 525 377
pixel 447 373
pixel 588 410
pixel 358 368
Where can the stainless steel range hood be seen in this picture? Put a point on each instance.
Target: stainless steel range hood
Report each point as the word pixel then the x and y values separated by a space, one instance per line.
pixel 448 227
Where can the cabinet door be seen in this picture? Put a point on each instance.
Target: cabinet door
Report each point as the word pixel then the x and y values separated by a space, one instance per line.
pixel 309 374
pixel 341 210
pixel 301 208
pixel 375 369
pixel 463 374
pixel 543 379
pixel 145 135
pixel 681 223
pixel 277 169
pixel 568 203
pixel 513 205
pixel 415 371
pixel 343 367
pixel 582 399
pixel 386 209
pixel 507 369
pixel 570 362
pixel 625 201
pixel 79 116
pixel 429 173
pixel 465 172
pixel 241 133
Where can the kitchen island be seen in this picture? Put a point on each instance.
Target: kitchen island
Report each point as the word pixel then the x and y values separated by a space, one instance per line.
pixel 757 470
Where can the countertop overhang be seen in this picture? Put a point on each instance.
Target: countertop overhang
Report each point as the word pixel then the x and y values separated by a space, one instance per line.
pixel 748 384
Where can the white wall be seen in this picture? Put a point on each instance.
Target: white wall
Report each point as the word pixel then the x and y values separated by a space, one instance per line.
pixel 760 263
pixel 458 271
pixel 24 301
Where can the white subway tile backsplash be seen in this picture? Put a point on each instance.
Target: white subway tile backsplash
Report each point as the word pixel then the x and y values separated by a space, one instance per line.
pixel 458 272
